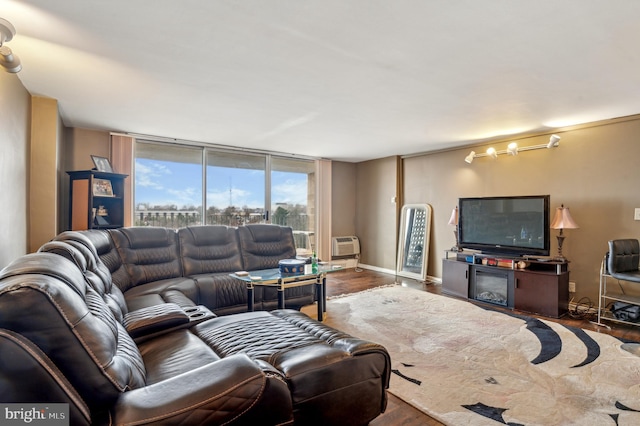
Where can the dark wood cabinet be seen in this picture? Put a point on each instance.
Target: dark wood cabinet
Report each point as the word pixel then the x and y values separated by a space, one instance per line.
pixel 96 200
pixel 457 278
pixel 542 292
pixel 541 288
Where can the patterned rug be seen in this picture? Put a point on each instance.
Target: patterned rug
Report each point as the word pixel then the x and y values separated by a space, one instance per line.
pixel 465 365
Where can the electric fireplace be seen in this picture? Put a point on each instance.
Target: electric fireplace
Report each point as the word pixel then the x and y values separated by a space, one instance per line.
pixel 492 285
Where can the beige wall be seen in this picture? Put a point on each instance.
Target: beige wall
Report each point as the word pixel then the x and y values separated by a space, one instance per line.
pixel 343 198
pixel 594 172
pixel 44 176
pixel 376 213
pixel 15 105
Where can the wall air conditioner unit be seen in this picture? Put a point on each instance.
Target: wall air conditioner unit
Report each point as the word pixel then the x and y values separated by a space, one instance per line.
pixel 345 246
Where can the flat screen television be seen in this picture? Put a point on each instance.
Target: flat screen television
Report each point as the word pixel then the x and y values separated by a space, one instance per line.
pixel 514 225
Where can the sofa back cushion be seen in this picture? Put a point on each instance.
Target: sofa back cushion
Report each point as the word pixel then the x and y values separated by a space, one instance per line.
pixel 96 273
pixel 44 297
pixel 263 246
pixel 209 249
pixel 148 253
pixel 109 256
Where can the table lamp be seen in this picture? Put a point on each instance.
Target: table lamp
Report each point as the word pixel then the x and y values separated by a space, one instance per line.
pixel 453 220
pixel 562 220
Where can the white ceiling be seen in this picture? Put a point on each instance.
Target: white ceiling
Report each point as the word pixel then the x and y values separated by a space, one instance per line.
pixel 348 80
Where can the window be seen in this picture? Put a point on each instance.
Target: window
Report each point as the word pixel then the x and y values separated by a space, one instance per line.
pixel 235 188
pixel 293 199
pixel 177 186
pixel 168 185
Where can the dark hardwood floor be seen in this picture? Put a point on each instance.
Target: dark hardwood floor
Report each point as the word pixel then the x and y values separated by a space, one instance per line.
pixel 399 412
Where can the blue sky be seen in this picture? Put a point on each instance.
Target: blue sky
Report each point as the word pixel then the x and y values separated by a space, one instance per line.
pixel 163 183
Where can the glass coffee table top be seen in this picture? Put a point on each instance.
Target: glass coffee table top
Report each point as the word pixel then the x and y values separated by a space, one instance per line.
pixel 274 278
pixel 273 275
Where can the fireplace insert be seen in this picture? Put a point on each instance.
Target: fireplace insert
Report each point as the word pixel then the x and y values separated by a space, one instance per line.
pixel 492 285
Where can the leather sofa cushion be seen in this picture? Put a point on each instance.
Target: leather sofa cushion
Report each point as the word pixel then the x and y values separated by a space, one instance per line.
pixel 222 291
pixel 148 253
pixel 262 246
pixel 209 249
pixel 154 319
pixel 258 334
pixel 76 247
pixel 174 353
pixel 180 290
pixel 108 254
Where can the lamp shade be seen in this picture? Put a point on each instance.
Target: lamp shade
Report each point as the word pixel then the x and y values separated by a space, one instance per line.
pixel 563 219
pixel 453 220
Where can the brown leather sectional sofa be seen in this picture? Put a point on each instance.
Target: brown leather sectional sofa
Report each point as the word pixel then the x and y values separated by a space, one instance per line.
pixel 144 326
pixel 153 265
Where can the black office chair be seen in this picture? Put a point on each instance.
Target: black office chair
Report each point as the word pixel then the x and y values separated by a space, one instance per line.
pixel 624 260
pixel 622 263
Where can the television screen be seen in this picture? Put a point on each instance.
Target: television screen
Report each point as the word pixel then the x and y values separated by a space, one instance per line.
pixel 510 225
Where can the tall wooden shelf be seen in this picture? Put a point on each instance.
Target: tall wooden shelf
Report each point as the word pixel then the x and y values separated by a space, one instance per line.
pixel 85 204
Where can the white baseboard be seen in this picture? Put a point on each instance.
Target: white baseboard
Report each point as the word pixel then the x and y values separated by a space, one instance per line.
pixel 430 279
pixel 376 268
pixel 345 263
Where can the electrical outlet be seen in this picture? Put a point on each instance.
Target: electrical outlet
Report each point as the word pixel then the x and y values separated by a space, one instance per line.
pixel 572 287
pixel 636 215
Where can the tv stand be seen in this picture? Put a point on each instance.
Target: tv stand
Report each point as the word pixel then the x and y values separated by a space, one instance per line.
pixel 525 284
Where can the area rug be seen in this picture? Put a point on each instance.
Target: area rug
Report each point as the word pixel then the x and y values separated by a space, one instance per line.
pixel 465 365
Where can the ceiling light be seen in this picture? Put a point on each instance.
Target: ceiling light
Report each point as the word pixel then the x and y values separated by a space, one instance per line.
pixel 8 60
pixel 469 158
pixel 554 140
pixel 513 149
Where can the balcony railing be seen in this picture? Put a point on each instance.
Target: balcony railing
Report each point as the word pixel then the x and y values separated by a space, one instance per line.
pixel 180 219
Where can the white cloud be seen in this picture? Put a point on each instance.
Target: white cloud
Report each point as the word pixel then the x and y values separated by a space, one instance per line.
pixel 149 175
pixel 290 191
pixel 185 197
pixel 238 197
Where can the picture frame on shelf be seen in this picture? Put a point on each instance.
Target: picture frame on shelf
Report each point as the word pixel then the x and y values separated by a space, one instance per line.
pixel 102 188
pixel 102 164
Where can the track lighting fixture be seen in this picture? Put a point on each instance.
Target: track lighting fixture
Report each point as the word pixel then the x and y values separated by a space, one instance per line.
pixel 513 149
pixel 554 140
pixel 469 158
pixel 9 61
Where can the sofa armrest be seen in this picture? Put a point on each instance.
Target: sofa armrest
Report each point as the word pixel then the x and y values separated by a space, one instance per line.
pixel 222 392
pixel 154 318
